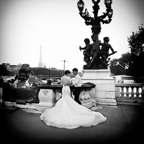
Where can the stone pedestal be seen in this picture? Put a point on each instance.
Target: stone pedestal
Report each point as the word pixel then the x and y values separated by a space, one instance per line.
pixel 46 97
pixel 105 86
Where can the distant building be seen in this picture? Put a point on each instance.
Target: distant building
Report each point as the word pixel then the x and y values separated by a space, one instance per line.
pixel 45 65
pixel 12 68
pixel 40 64
pixel 7 66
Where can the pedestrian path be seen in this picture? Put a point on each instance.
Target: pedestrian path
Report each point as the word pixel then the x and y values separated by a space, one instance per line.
pixel 123 125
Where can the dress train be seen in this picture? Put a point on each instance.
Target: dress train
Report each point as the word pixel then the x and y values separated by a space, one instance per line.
pixel 67 113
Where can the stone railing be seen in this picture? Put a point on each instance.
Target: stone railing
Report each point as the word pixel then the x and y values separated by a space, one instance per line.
pixel 129 93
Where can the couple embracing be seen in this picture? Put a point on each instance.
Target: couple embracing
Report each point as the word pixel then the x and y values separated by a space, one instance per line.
pixel 76 82
pixel 67 112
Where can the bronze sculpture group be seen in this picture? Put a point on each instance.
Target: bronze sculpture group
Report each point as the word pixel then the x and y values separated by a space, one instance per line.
pixel 96 55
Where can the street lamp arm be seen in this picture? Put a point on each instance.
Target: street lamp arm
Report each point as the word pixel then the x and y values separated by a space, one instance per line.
pixel 109 14
pixel 86 16
pixel 106 21
pixel 103 16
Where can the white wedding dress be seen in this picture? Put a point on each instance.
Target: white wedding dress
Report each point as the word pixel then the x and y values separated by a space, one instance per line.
pixel 67 113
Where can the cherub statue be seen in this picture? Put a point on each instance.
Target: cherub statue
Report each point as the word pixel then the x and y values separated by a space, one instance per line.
pixel 105 49
pixel 95 50
pixel 87 50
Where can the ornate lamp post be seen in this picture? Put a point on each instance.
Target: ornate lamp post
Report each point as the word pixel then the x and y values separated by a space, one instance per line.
pixel 96 20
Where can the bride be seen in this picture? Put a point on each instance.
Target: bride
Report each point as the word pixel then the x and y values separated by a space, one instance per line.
pixel 67 113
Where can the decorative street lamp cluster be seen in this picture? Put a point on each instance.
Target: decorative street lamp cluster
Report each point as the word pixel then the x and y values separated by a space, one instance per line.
pixel 95 22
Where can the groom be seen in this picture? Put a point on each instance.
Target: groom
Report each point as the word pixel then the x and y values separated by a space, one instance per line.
pixel 76 83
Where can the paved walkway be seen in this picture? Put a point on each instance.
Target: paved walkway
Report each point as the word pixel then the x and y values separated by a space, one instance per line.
pixel 124 124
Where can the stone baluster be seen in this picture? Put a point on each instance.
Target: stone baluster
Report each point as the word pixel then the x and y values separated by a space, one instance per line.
pixel 143 90
pixel 127 91
pixel 132 91
pixel 140 92
pixel 122 91
pixel 1 96
pixel 137 92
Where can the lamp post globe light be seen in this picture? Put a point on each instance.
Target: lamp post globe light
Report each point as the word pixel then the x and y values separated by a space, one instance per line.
pixel 80 5
pixel 95 23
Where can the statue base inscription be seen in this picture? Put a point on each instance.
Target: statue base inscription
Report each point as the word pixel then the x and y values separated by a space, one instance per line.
pixel 105 86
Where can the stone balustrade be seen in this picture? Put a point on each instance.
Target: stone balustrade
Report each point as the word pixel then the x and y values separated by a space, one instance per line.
pixel 132 93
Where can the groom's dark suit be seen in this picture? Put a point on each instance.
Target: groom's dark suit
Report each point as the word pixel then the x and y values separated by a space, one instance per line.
pixel 76 93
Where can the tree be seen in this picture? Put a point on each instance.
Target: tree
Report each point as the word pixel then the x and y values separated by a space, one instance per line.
pixel 132 62
pixel 4 71
pixel 121 66
pixel 136 41
pixel 48 72
pixel 136 44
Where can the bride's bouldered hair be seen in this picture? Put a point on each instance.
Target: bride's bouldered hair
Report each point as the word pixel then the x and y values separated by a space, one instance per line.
pixel 67 72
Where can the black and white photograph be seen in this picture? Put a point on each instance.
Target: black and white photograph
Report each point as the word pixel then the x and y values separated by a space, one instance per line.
pixel 71 71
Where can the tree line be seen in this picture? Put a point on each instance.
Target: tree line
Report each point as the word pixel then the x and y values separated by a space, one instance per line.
pixel 47 72
pixel 53 72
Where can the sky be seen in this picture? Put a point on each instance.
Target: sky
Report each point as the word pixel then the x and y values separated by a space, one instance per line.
pixel 57 27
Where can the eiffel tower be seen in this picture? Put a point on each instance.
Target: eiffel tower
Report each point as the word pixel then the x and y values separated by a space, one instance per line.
pixel 40 59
